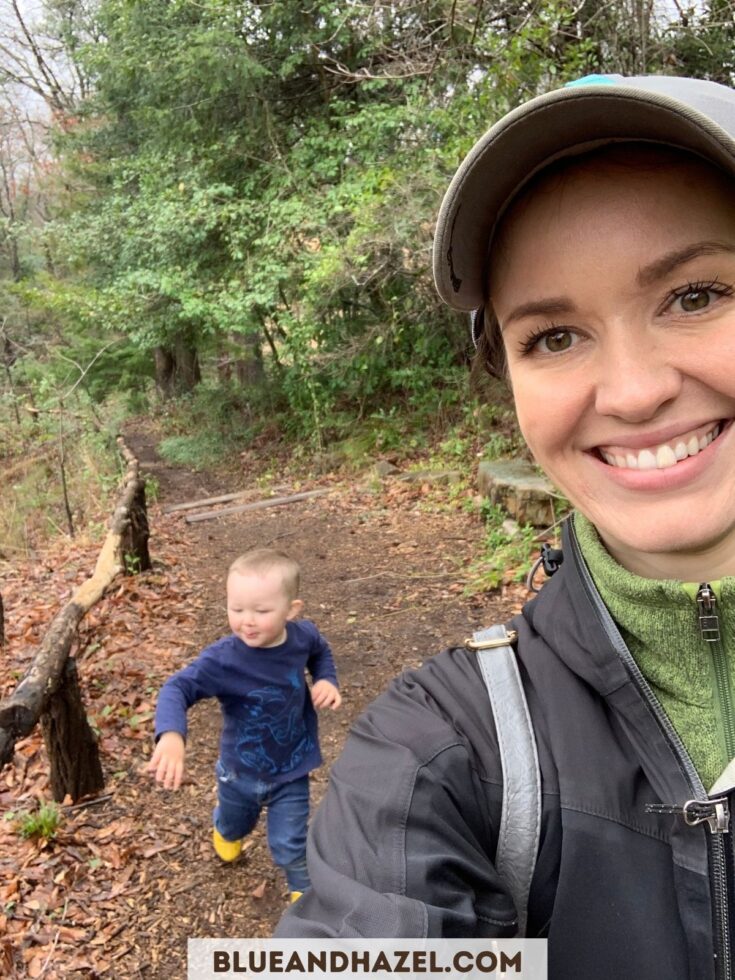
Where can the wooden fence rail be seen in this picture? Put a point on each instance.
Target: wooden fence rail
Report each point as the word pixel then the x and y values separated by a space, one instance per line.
pixel 49 690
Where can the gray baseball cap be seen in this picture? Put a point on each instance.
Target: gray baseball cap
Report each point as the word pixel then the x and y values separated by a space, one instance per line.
pixel 685 112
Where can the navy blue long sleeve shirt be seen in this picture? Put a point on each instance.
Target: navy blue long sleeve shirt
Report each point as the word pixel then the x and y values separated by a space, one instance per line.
pixel 269 726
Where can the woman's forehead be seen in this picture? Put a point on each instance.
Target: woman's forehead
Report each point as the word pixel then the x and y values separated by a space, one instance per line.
pixel 613 163
pixel 574 189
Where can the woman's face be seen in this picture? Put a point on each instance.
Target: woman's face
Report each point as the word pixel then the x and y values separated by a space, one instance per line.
pixel 614 286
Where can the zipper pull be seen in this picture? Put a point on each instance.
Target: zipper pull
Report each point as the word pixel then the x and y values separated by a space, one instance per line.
pixel 709 621
pixel 715 813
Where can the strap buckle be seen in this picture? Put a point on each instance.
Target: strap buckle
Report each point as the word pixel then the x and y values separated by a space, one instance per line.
pixel 510 638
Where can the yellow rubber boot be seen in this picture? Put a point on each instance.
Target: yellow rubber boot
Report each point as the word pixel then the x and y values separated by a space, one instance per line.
pixel 295 896
pixel 227 850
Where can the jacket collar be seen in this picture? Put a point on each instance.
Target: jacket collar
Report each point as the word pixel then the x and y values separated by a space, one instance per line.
pixel 572 619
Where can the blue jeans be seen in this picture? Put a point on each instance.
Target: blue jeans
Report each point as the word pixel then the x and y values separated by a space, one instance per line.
pixel 241 799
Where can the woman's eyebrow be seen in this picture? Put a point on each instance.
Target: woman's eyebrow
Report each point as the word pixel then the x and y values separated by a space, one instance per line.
pixel 647 275
pixel 650 274
pixel 553 306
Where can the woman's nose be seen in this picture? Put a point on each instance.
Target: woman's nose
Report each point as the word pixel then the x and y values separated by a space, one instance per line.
pixel 634 381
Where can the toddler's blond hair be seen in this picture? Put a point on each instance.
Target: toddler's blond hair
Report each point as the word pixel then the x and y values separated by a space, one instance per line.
pixel 265 560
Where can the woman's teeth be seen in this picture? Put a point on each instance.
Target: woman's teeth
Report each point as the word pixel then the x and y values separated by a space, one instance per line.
pixel 663 456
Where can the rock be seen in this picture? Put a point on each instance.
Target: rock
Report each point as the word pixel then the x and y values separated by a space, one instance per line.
pixel 510 527
pixel 519 489
pixel 326 462
pixel 383 468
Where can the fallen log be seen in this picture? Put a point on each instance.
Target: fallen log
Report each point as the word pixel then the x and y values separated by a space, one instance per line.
pixel 21 711
pixel 206 501
pixel 209 515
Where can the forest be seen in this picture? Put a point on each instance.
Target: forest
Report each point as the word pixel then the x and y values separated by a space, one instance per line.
pixel 221 213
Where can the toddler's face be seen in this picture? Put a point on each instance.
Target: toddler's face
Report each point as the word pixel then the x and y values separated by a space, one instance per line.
pixel 258 607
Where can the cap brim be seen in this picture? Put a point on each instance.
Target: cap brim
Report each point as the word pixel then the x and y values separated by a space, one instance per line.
pixel 561 123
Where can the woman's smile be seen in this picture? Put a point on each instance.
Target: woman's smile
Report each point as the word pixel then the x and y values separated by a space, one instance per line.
pixel 666 466
pixel 657 454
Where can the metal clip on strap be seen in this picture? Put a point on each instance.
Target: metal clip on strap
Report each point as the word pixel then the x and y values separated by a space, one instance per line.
pixel 509 637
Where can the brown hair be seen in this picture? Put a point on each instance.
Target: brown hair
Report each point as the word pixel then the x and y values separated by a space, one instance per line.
pixel 490 355
pixel 266 559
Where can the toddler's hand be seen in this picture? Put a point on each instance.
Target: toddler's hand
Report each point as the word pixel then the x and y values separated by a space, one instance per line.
pixel 325 695
pixel 167 761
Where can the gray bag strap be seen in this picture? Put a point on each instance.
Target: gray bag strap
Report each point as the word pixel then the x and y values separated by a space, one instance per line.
pixel 520 823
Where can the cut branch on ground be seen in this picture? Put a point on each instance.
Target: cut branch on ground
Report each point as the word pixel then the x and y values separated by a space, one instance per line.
pixel 258 505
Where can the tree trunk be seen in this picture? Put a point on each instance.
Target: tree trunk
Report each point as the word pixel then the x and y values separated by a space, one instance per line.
pixel 177 367
pixel 9 359
pixel 70 742
pixel 188 373
pixel 164 364
pixel 249 369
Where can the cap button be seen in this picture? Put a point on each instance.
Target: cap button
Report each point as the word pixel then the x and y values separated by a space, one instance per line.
pixel 593 80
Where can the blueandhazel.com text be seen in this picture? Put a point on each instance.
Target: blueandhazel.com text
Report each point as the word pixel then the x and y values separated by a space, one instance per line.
pixel 337 961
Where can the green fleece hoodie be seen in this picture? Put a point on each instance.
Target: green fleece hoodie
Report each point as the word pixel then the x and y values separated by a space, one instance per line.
pixel 659 620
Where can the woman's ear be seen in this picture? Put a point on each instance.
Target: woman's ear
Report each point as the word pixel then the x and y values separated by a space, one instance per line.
pixel 296 608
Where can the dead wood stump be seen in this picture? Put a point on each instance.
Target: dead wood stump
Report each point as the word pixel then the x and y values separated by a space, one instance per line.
pixel 134 543
pixel 71 744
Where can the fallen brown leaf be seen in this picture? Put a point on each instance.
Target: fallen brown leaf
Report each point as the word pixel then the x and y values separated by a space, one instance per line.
pixel 149 852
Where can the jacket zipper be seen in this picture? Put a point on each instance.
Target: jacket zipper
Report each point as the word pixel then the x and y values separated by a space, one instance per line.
pixel 709 627
pixel 717 846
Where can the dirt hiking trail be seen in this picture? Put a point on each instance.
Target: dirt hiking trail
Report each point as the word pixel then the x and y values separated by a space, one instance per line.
pixel 127 881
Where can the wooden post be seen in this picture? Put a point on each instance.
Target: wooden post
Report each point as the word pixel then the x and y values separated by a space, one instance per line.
pixel 70 742
pixel 135 536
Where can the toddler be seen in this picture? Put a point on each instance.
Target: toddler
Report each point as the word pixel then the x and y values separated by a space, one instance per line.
pixel 269 742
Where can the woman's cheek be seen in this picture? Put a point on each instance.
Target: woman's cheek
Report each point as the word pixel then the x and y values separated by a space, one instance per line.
pixel 551 428
pixel 542 420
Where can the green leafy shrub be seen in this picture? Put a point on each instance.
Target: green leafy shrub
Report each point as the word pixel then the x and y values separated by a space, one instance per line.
pixel 43 823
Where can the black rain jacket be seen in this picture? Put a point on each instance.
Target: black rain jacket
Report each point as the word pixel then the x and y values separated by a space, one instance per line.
pixel 404 841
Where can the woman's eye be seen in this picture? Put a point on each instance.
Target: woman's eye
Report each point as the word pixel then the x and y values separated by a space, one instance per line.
pixel 549 340
pixel 697 299
pixel 557 341
pixel 698 296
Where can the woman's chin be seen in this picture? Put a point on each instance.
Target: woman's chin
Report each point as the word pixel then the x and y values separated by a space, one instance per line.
pixel 670 543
